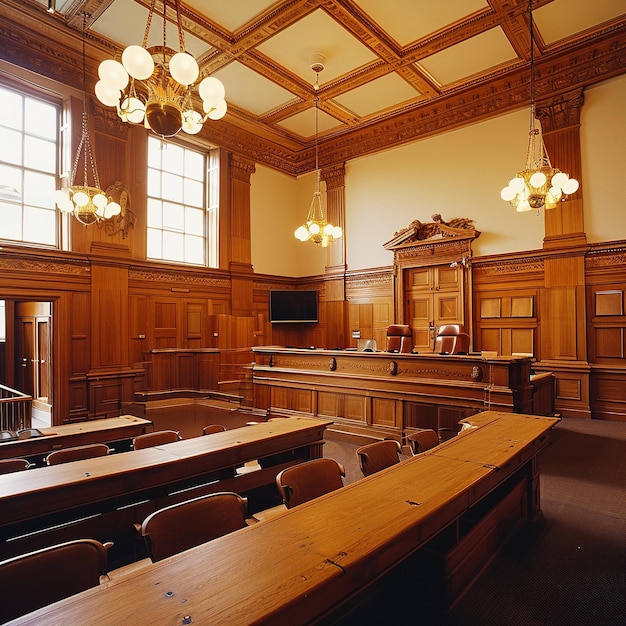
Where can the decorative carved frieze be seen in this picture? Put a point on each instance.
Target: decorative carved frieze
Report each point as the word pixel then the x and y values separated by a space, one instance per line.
pixel 178 278
pixel 241 168
pixel 26 265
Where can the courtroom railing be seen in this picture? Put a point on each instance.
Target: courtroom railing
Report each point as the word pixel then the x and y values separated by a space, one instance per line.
pixel 15 409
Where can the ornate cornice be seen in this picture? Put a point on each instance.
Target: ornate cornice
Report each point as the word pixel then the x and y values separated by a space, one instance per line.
pixel 241 168
pixel 508 267
pixel 178 278
pixel 44 267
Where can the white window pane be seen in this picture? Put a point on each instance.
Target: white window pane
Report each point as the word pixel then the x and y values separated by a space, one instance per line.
pixel 173 159
pixel 173 217
pixel 154 152
pixel 155 213
pixel 40 225
pixel 11 109
pixel 41 119
pixel 39 189
pixel 40 154
pixel 10 221
pixel 194 165
pixel 10 183
pixel 155 250
pixel 172 188
pixel 194 221
pixel 194 249
pixel 154 182
pixel 173 246
pixel 194 193
pixel 11 142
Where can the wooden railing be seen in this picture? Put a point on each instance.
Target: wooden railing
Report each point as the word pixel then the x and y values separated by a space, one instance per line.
pixel 15 409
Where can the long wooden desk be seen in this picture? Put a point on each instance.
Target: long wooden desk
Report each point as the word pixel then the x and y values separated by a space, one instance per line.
pixel 103 497
pixel 302 566
pixel 387 394
pixel 107 430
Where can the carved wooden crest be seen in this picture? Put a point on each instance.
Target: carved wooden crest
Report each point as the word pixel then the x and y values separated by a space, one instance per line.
pixel 461 227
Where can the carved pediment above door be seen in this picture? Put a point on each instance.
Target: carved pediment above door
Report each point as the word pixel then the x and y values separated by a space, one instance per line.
pixel 432 263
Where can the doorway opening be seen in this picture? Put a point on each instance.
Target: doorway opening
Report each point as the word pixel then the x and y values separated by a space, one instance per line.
pixel 26 351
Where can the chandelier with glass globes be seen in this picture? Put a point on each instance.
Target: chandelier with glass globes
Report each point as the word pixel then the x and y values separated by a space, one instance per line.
pixel 153 85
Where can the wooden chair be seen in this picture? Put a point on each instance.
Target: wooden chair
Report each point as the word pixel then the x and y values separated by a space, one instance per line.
pixel 157 438
pixel 8 466
pixel 422 440
pixel 39 578
pixel 187 524
pixel 308 480
pixel 78 453
pixel 376 456
pixel 213 428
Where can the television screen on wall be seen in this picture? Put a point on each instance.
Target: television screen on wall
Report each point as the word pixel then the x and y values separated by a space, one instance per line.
pixel 293 306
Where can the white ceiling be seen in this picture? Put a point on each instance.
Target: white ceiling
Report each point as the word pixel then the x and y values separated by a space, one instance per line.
pixel 381 56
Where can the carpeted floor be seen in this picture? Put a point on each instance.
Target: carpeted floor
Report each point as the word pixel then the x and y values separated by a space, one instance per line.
pixel 567 570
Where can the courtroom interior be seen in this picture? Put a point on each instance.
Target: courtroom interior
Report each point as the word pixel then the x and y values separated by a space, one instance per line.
pixel 327 294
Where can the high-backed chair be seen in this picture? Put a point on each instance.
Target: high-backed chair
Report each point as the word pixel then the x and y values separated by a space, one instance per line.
pixel 157 438
pixel 311 479
pixel 422 440
pixel 39 578
pixel 78 453
pixel 451 339
pixel 399 338
pixel 376 456
pixel 187 524
pixel 213 428
pixel 8 466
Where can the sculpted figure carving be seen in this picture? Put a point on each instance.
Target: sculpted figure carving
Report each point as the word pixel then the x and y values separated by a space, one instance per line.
pixel 418 231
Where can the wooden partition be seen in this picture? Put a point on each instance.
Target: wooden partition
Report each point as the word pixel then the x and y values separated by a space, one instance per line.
pixel 385 395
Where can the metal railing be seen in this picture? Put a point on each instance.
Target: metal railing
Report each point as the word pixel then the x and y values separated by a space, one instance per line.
pixel 15 409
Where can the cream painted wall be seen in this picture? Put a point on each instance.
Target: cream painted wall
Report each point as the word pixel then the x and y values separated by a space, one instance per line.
pixel 457 174
pixel 286 201
pixel 603 141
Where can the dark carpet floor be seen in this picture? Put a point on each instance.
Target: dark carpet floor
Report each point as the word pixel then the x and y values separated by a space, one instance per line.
pixel 567 570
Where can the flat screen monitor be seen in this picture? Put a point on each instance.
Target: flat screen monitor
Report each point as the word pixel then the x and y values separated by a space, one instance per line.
pixel 293 306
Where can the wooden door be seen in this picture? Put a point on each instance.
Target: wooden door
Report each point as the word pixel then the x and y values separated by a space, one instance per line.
pixel 433 297
pixel 33 356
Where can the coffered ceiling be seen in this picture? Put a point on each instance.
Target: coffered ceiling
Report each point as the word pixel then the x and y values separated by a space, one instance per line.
pixel 395 70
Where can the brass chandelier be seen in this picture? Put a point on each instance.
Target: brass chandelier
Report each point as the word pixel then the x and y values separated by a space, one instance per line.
pixel 316 228
pixel 87 203
pixel 539 184
pixel 153 85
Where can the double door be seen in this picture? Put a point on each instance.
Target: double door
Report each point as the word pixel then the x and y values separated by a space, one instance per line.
pixel 33 351
pixel 433 296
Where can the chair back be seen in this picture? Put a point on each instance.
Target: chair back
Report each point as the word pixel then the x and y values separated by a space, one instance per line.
pixel 39 578
pixel 422 440
pixel 78 453
pixel 451 339
pixel 376 456
pixel 213 428
pixel 156 438
pixel 399 338
pixel 187 524
pixel 8 466
pixel 308 480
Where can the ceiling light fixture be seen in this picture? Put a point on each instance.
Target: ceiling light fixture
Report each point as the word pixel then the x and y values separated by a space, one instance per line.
pixel 153 85
pixel 88 204
pixel 316 228
pixel 540 184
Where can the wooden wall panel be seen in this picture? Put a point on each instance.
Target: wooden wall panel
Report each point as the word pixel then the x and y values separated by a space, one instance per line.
pixel 138 327
pixel 80 334
pixel 165 327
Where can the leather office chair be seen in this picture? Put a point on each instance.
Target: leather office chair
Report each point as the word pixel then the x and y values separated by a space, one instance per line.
pixel 422 440
pixel 213 428
pixel 184 525
pixel 39 578
pixel 8 466
pixel 376 456
pixel 399 338
pixel 157 438
pixel 309 480
pixel 451 339
pixel 78 453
